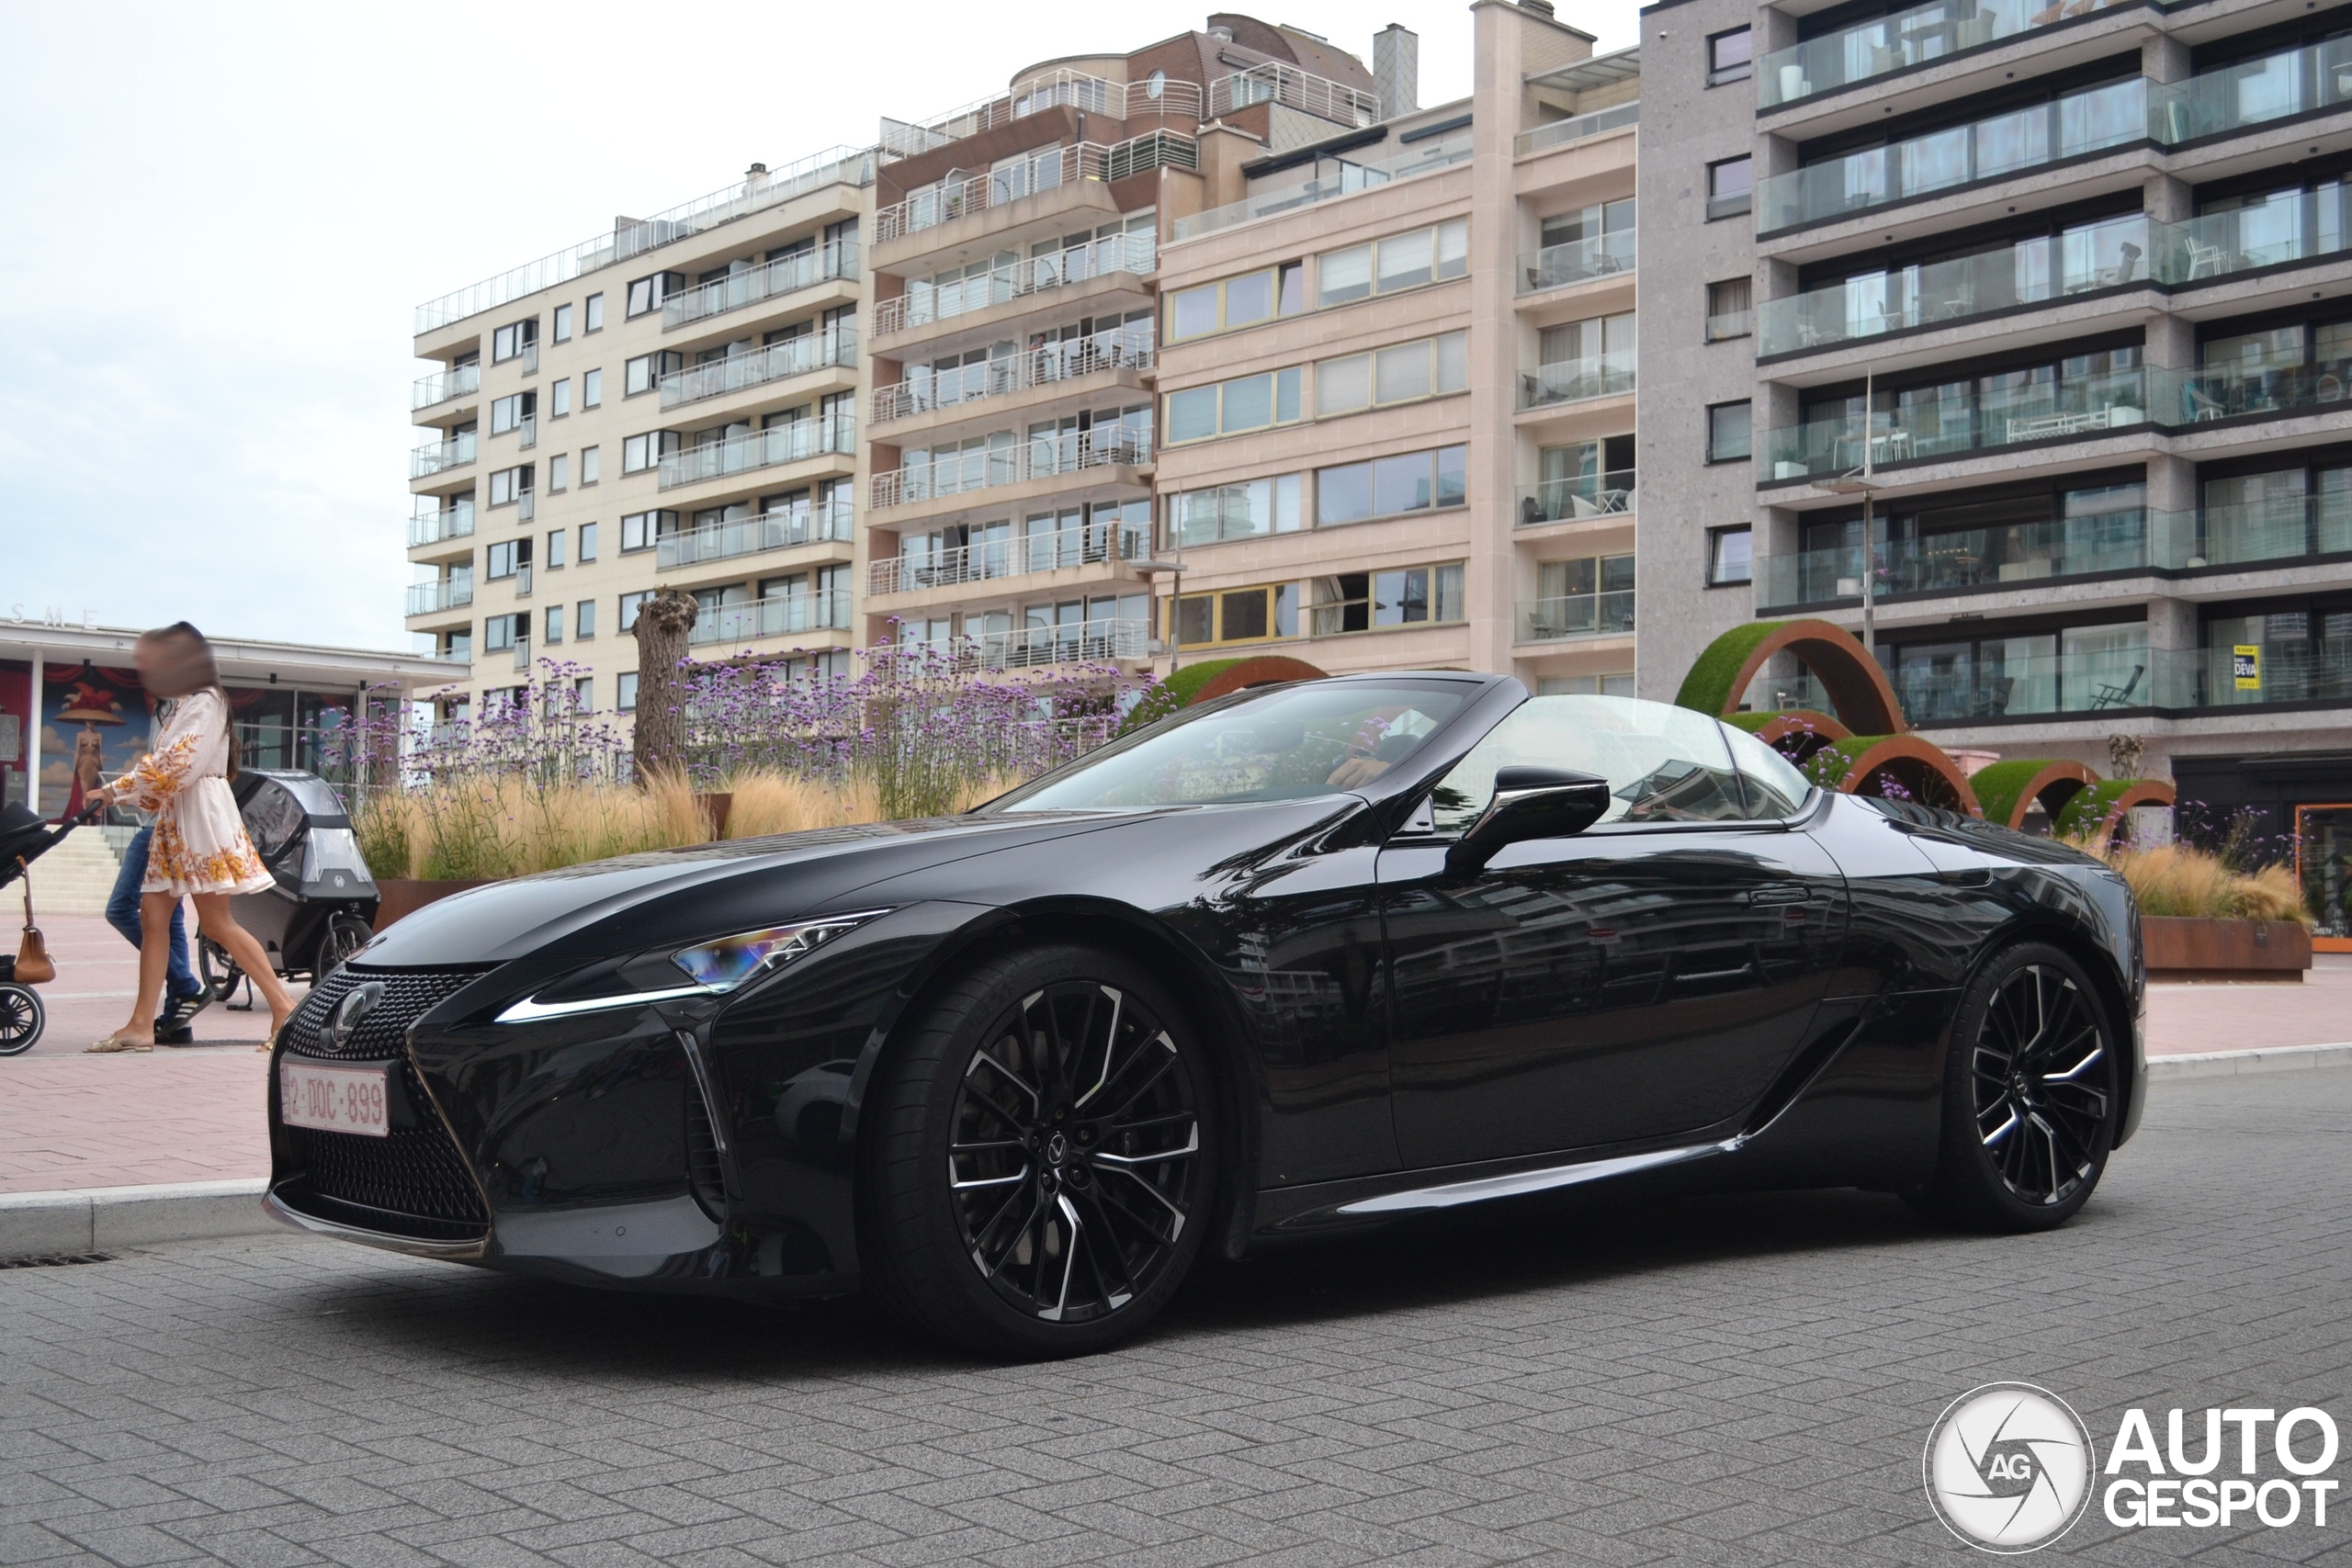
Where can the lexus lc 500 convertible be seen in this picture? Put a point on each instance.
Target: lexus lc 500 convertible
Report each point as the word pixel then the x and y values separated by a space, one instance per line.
pixel 1309 956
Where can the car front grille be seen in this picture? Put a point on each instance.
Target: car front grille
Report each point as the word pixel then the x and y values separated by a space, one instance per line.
pixel 409 995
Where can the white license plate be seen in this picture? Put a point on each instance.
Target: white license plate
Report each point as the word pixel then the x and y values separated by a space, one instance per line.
pixel 335 1098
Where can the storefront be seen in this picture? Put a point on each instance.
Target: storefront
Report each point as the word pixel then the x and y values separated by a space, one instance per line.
pixel 2288 807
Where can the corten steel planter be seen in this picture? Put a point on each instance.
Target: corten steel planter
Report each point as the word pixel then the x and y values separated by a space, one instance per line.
pixel 399 895
pixel 2180 948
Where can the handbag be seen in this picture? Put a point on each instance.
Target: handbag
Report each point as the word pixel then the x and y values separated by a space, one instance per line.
pixel 33 964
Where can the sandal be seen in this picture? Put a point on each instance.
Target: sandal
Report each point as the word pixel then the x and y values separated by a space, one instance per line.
pixel 117 1042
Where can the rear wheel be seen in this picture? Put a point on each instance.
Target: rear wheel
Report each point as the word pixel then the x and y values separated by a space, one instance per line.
pixel 345 934
pixel 1040 1162
pixel 20 1020
pixel 216 971
pixel 2030 1096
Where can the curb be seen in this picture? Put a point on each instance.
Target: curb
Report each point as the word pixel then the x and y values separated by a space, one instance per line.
pixel 98 1218
pixel 2231 1064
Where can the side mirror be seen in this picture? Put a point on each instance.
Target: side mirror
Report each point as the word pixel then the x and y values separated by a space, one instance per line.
pixel 1530 803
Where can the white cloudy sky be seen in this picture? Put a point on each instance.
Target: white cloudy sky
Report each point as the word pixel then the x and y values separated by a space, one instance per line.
pixel 219 216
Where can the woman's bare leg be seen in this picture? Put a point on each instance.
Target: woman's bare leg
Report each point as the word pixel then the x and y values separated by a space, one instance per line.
pixel 154 959
pixel 213 919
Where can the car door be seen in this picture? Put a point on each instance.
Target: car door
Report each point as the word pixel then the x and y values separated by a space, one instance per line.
pixel 1648 976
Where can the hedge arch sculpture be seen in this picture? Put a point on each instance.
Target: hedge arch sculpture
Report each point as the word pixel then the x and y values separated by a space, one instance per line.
pixel 1797 734
pixel 1858 692
pixel 2096 813
pixel 1217 678
pixel 2009 789
pixel 1861 763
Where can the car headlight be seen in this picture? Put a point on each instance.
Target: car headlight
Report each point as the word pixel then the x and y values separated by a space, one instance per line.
pixel 710 968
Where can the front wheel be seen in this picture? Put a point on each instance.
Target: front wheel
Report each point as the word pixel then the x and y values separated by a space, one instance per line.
pixel 216 970
pixel 1040 1161
pixel 2031 1096
pixel 345 934
pixel 20 1020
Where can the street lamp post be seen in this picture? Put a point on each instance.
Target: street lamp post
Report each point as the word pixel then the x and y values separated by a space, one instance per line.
pixel 1859 481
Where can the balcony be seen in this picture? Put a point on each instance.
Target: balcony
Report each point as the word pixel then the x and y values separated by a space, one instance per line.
pixel 454 592
pixel 1079 642
pixel 1427 159
pixel 1578 500
pixel 1047 168
pixel 439 457
pixel 522 656
pixel 1041 457
pixel 760 449
pixel 1574 615
pixel 1577 380
pixel 526 432
pixel 829 522
pixel 432 527
pixel 2027 677
pixel 834 261
pixel 2089 404
pixel 1923 33
pixel 1578 127
pixel 776 362
pixel 1129 348
pixel 521 578
pixel 457 381
pixel 2310 670
pixel 1092 545
pixel 1055 89
pixel 2254 92
pixel 1580 261
pixel 923 303
pixel 1272 82
pixel 781 616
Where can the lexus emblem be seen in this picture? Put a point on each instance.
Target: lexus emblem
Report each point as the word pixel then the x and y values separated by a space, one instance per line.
pixel 352 1011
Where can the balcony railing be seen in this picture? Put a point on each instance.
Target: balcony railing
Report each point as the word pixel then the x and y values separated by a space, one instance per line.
pixel 1077 643
pixel 2083 405
pixel 835 166
pixel 780 617
pixel 1577 380
pixel 760 449
pixel 1553 267
pixel 1089 545
pixel 1039 457
pixel 2023 682
pixel 1426 159
pixel 457 381
pixel 1909 38
pixel 1576 129
pixel 451 592
pixel 785 275
pixel 439 457
pixel 829 521
pixel 1055 89
pixel 1046 168
pixel 2253 92
pixel 1607 613
pixel 1152 150
pixel 1129 348
pixel 2312 671
pixel 1577 500
pixel 925 303
pixel 527 430
pixel 776 362
pixel 430 527
pixel 522 581
pixel 1272 82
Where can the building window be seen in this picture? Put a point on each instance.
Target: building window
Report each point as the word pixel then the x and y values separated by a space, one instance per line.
pixel 587 543
pixel 1731 186
pixel 592 387
pixel 1731 57
pixel 639 453
pixel 508 486
pixel 1238 615
pixel 1728 435
pixel 457 645
pixel 583 621
pixel 563 323
pixel 510 557
pixel 1585 686
pixel 644 372
pixel 554 629
pixel 646 293
pixel 501 633
pixel 1226 408
pixel 555 549
pixel 592 462
pixel 1374 600
pixel 625 692
pixel 643 530
pixel 1429 367
pixel 630 604
pixel 1242 511
pixel 1391 486
pixel 511 413
pixel 593 312
pixel 560 399
pixel 1243 301
pixel 1399 262
pixel 511 340
pixel 1730 309
pixel 559 472
pixel 1731 556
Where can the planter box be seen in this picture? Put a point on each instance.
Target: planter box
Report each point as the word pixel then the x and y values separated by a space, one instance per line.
pixel 400 895
pixel 2184 949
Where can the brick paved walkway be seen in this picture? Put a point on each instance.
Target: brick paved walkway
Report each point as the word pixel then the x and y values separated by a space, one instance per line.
pixel 1718 1382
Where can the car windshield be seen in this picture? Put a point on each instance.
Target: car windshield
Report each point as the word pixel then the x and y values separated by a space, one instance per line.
pixel 1287 745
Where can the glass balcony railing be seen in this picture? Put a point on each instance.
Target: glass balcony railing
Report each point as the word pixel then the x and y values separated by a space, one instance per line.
pixel 781 616
pixel 451 592
pixel 760 449
pixel 1016 462
pixel 776 362
pixel 1963 560
pixel 1428 158
pixel 438 457
pixel 1915 37
pixel 1079 642
pixel 1576 615
pixel 925 389
pixel 1603 255
pixel 1092 543
pixel 1577 380
pixel 1575 500
pixel 457 381
pixel 924 303
pixel 432 526
pixel 2253 92
pixel 1559 132
pixel 786 275
pixel 2303 670
pixel 2021 678
pixel 2035 407
pixel 780 530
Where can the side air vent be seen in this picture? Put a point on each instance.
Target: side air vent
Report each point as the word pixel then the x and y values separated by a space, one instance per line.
pixel 706 1172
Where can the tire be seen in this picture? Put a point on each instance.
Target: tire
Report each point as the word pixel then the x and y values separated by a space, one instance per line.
pixel 21 1020
pixel 1049 1244
pixel 345 934
pixel 216 970
pixel 2030 1096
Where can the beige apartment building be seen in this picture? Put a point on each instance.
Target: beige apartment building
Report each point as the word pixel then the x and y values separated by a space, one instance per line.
pixel 673 404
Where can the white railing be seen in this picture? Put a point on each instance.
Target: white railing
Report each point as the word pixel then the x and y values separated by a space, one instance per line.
pixel 779 616
pixel 1090 544
pixel 1129 348
pixel 759 449
pixel 432 527
pixel 1055 89
pixel 1039 457
pixel 1079 642
pixel 835 166
pixel 1352 178
pixel 925 303
pixel 750 535
pixel 794 356
pixel 1044 169
pixel 785 275
pixel 526 430
pixel 442 385
pixel 451 592
pixel 1272 82
pixel 434 457
pixel 1576 127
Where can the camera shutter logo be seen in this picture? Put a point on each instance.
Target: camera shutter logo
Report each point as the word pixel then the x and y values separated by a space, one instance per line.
pixel 350 1012
pixel 2008 1467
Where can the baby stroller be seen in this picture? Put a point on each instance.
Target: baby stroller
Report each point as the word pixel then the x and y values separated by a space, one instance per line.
pixel 318 914
pixel 24 838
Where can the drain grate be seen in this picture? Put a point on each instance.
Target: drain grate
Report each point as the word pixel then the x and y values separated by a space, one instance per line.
pixel 56 1260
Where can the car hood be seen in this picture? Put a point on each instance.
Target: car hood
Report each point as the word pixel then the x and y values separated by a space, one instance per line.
pixel 611 907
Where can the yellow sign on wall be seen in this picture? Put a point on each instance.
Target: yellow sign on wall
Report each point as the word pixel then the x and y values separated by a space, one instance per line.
pixel 2245 663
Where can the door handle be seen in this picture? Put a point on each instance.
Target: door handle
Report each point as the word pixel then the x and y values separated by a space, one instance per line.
pixel 1778 892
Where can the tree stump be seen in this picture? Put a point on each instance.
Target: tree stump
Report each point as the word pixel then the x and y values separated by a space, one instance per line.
pixel 662 623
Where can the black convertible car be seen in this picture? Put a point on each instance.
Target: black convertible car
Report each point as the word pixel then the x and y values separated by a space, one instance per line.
pixel 1311 956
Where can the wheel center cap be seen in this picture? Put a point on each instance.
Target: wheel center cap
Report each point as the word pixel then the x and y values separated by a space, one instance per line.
pixel 1057 1149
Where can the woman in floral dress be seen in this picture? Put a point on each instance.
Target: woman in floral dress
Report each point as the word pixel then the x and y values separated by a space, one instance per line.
pixel 200 850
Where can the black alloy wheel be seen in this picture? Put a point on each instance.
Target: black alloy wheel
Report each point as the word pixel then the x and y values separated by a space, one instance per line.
pixel 1044 1160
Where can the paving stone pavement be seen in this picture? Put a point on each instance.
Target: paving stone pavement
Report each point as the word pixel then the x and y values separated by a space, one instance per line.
pixel 1734 1381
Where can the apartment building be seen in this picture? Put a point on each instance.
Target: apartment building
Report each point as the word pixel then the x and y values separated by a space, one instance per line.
pixel 1396 379
pixel 672 404
pixel 2043 389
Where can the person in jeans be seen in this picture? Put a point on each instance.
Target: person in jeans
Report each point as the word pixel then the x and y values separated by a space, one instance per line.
pixel 182 993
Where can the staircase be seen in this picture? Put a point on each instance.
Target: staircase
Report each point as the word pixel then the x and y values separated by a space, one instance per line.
pixel 75 878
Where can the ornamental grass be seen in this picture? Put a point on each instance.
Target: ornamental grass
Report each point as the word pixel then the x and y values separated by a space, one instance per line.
pixel 2179 879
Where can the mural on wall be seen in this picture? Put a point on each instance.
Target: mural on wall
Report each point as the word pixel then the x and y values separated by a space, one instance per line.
pixel 94 723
